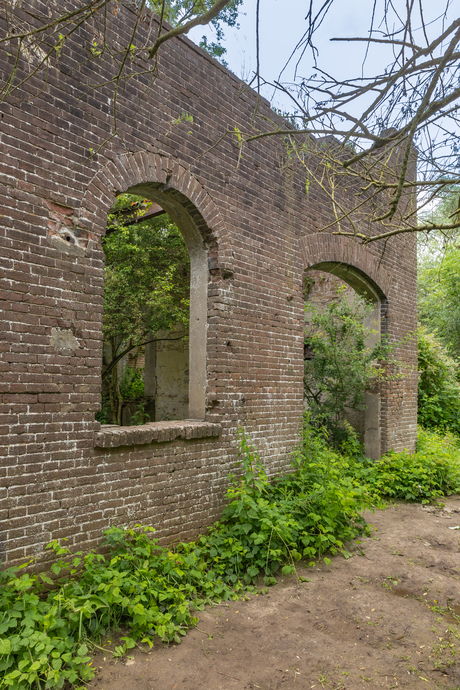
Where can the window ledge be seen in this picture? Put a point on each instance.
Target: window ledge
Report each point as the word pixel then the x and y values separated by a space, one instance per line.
pixel 112 436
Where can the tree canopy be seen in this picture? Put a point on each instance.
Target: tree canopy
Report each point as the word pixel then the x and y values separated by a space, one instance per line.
pixel 147 274
pixel 438 388
pixel 146 285
pixel 439 276
pixel 439 296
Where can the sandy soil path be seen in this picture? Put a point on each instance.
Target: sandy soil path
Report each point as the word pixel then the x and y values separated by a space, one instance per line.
pixel 384 618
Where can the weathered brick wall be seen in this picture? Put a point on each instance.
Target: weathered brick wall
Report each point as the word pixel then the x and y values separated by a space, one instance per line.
pixel 256 223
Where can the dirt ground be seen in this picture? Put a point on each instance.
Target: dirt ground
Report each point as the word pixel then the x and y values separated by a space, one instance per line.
pixel 379 619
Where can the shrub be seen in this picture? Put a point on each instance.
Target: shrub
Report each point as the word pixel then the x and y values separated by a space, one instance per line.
pixel 438 387
pixel 439 290
pixel 432 471
pixel 306 513
pixel 132 386
pixel 343 365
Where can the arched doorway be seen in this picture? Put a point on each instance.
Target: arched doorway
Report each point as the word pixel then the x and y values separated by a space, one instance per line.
pixel 347 262
pixel 324 280
pixel 190 207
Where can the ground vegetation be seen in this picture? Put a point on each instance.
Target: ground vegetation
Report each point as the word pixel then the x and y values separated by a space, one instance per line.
pixel 386 616
pixel 50 626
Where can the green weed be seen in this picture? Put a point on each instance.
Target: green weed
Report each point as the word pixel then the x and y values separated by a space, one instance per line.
pixel 47 625
pixel 432 471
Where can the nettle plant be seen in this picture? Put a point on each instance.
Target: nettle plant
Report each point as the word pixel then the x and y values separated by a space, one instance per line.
pixel 49 627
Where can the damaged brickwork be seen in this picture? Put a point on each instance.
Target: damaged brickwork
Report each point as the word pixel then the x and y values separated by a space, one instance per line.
pixel 61 475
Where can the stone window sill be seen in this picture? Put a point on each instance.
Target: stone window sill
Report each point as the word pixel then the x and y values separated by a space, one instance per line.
pixel 112 436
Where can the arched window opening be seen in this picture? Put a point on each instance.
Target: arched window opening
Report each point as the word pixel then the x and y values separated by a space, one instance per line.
pixel 146 322
pixel 339 294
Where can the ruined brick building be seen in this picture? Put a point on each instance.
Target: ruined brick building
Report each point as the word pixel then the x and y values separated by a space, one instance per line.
pixel 251 232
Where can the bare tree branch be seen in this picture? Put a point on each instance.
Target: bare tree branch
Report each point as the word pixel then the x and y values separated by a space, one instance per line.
pixel 392 136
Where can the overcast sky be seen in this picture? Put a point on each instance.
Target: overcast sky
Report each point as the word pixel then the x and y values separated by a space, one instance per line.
pixel 282 24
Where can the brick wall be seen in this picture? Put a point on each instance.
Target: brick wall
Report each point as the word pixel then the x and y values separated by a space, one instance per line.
pixel 260 232
pixel 322 288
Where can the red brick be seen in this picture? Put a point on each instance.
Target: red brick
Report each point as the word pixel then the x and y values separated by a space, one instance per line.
pixel 261 231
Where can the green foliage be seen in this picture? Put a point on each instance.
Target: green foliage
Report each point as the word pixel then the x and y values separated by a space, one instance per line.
pixel 38 643
pixel 140 416
pixel 104 416
pixel 132 386
pixel 146 288
pixel 438 274
pixel 132 391
pixel 448 207
pixel 150 588
pixel 228 16
pixel 180 11
pixel 147 275
pixel 269 526
pixel 308 284
pixel 343 366
pixel 432 471
pixel 439 296
pixel 47 628
pixel 154 590
pixel 443 212
pixel 215 49
pixel 265 528
pixel 183 117
pixel 438 386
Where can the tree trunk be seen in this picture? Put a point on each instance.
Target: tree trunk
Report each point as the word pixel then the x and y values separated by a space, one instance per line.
pixel 116 401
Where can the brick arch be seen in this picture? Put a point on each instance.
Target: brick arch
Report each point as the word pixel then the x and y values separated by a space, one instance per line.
pixel 135 172
pixel 350 261
pixel 354 264
pixel 179 193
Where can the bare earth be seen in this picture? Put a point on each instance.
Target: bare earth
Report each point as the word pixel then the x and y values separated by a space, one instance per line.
pixel 365 622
